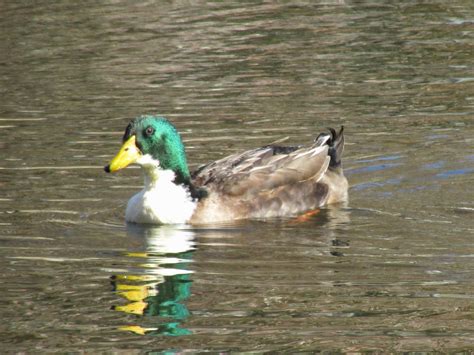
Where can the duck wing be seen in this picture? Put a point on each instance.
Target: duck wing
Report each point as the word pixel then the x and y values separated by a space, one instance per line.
pixel 264 168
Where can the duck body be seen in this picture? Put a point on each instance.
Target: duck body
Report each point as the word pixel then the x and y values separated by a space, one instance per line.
pixel 267 182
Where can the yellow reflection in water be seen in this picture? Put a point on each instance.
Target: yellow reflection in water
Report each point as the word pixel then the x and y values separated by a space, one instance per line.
pixel 159 293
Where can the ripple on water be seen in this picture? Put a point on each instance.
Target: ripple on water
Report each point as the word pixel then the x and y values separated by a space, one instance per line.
pixel 392 272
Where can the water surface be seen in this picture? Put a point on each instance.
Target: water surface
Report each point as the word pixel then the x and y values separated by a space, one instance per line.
pixel 390 272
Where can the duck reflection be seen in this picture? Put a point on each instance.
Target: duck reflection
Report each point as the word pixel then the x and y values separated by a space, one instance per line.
pixel 338 220
pixel 332 220
pixel 159 286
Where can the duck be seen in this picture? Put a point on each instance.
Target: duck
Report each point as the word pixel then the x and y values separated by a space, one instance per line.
pixel 272 181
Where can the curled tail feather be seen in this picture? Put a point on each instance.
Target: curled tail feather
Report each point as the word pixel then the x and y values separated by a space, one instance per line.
pixel 335 141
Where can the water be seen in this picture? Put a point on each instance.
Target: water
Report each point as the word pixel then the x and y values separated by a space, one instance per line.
pixel 390 272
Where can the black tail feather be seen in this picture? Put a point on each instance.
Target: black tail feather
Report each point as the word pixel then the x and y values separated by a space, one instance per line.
pixel 335 141
pixel 336 147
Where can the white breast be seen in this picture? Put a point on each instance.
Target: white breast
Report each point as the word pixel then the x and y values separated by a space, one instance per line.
pixel 161 201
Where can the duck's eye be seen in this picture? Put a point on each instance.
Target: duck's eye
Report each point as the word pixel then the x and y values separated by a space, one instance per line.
pixel 149 131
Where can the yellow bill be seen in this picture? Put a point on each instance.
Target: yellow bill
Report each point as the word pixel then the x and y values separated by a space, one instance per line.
pixel 128 154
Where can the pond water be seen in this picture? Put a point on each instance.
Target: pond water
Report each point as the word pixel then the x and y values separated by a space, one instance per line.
pixel 392 271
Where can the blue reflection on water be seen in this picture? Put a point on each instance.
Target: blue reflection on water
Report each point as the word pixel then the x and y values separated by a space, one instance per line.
pixel 369 185
pixel 449 173
pixel 435 165
pixel 383 158
pixel 372 168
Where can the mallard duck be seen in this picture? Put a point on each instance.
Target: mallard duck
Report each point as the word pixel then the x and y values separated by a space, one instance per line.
pixel 271 181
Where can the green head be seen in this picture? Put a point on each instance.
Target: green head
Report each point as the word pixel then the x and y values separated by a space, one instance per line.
pixel 156 137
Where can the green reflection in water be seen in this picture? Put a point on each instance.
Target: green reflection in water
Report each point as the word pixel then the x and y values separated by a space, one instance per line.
pixel 160 285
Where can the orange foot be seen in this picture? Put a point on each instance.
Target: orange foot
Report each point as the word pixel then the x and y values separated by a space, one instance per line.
pixel 306 216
